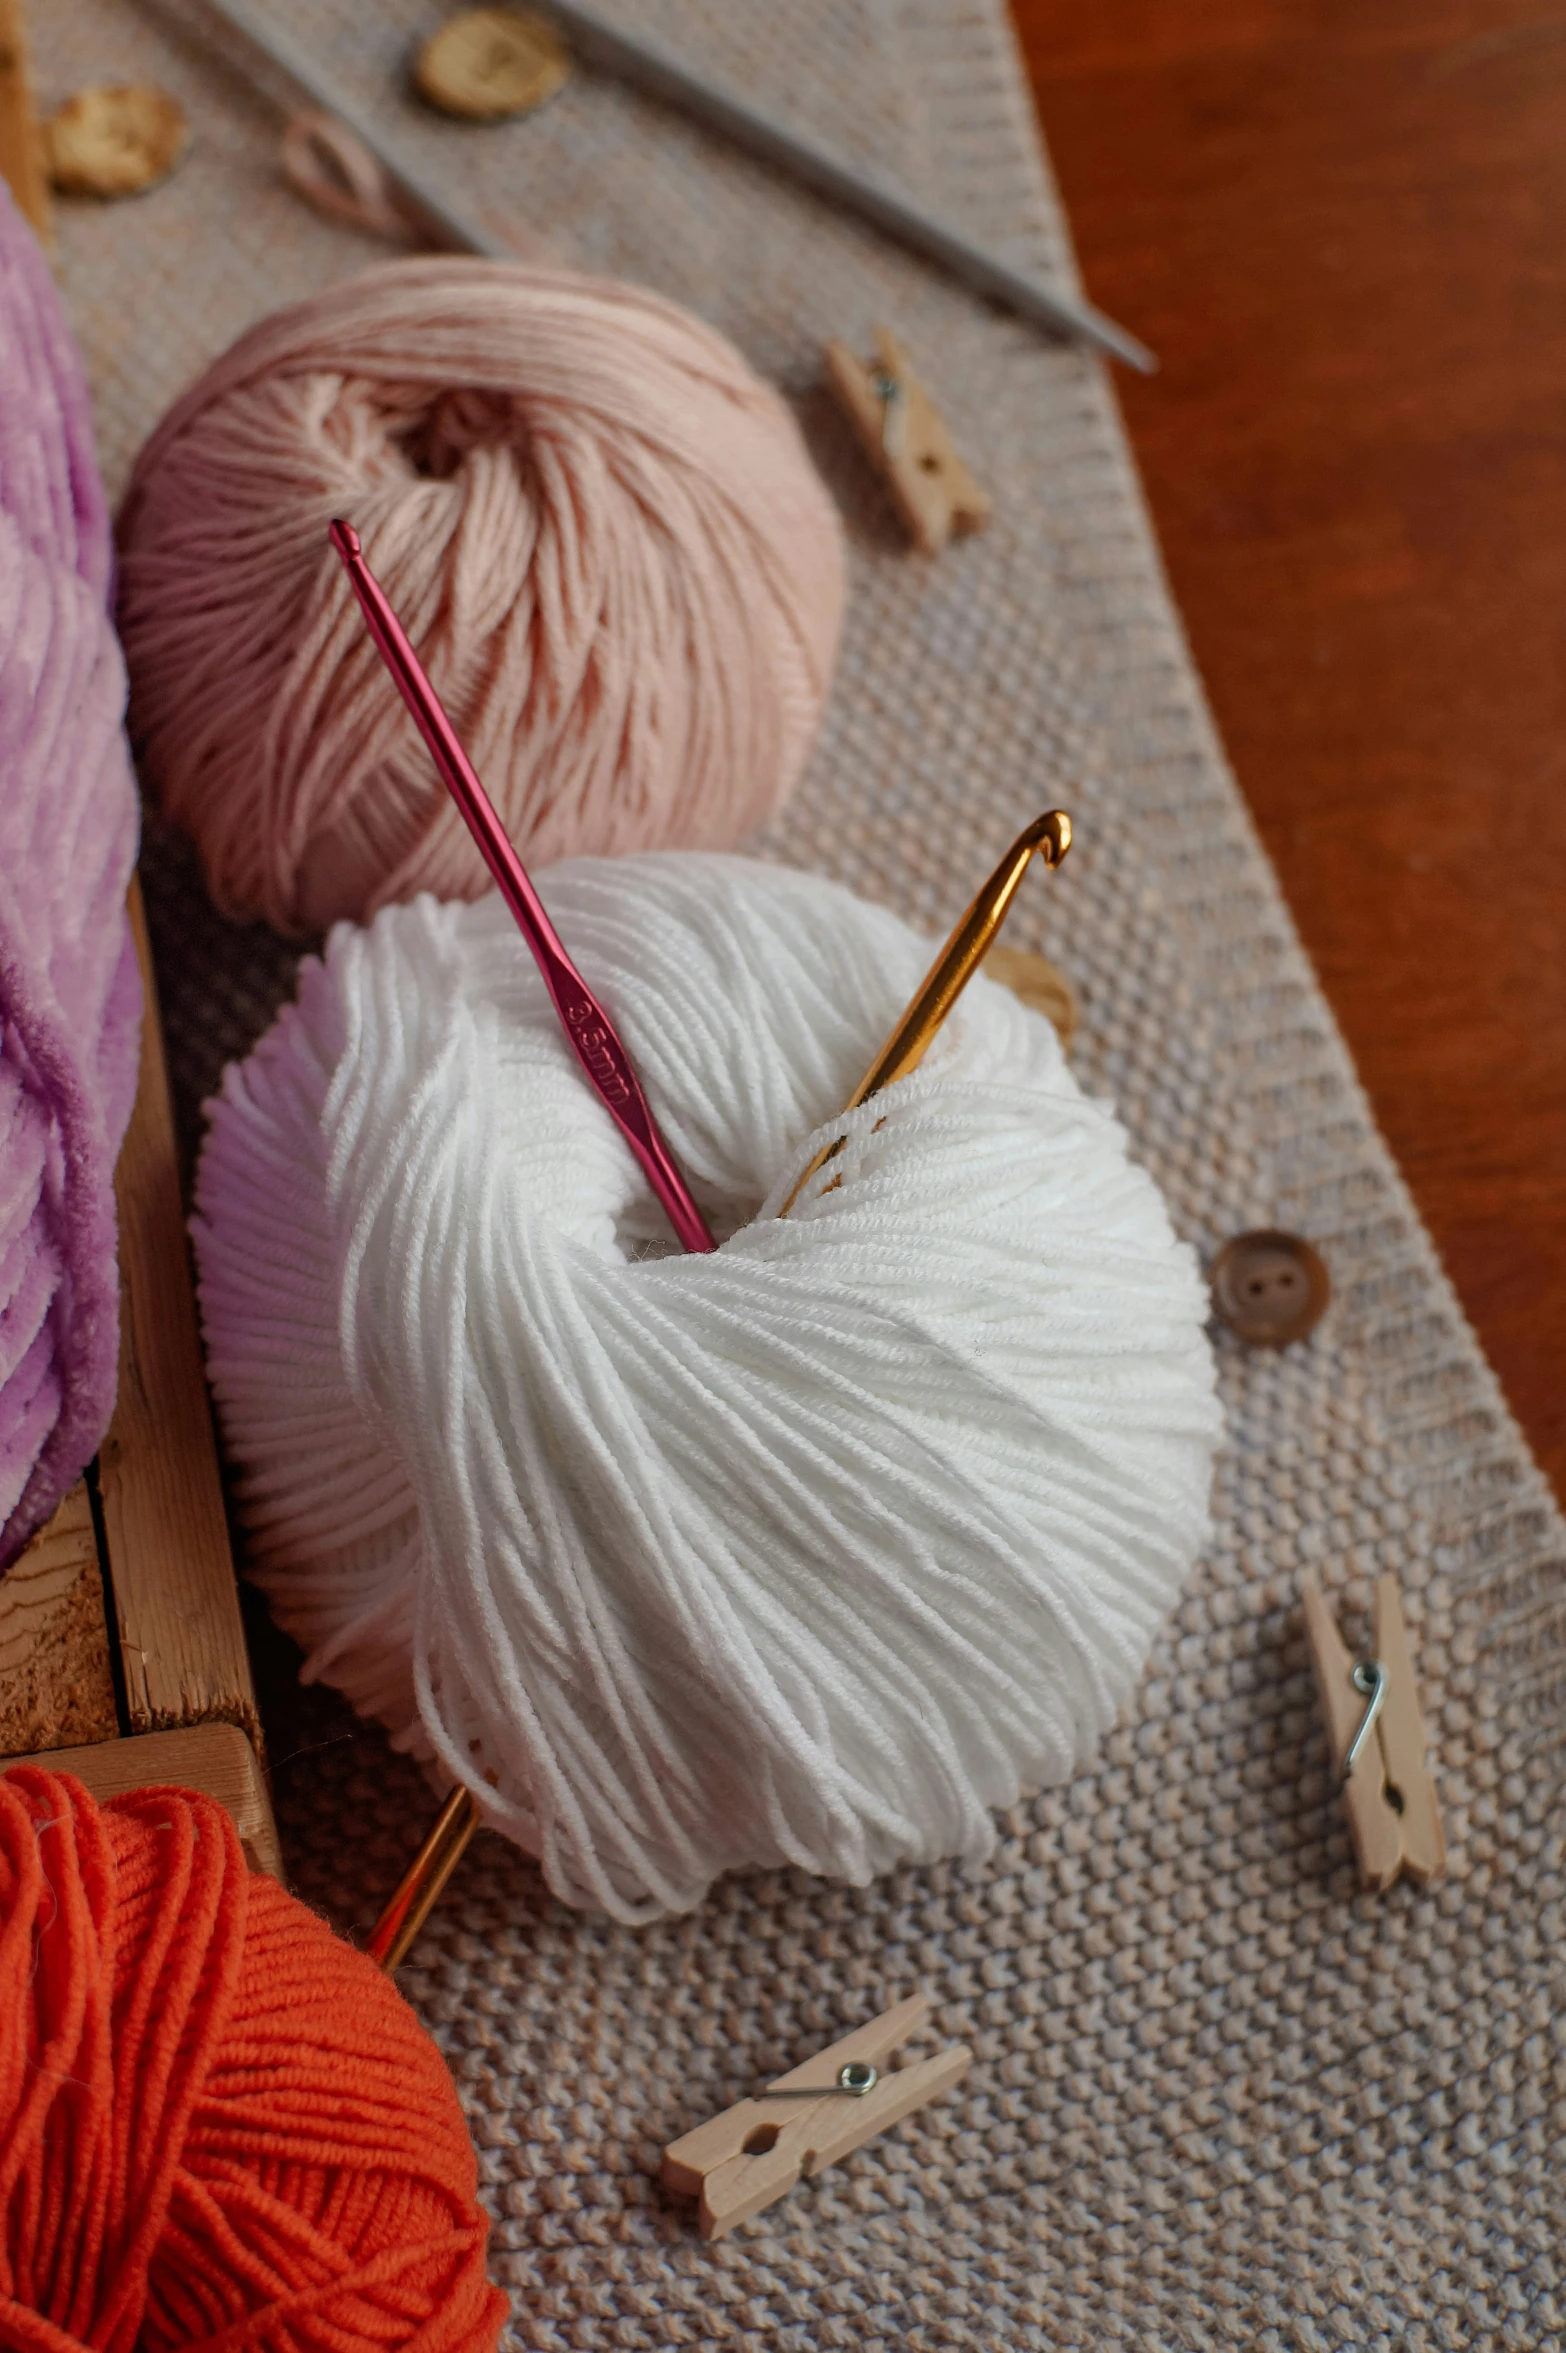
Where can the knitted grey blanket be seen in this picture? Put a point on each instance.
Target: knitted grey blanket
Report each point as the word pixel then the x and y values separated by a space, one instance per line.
pixel 1220 2098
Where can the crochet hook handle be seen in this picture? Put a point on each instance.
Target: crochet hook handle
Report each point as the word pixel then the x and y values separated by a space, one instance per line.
pixel 592 1035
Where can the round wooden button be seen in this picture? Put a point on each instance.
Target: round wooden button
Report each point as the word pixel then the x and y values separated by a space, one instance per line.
pixel 114 139
pixel 491 62
pixel 1270 1287
pixel 1039 984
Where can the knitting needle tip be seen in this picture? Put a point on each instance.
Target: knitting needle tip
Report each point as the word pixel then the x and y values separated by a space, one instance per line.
pixel 345 539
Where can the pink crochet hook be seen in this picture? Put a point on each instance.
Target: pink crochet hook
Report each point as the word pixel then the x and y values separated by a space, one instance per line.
pixel 592 1035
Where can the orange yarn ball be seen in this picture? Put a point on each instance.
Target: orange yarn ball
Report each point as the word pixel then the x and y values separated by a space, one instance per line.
pixel 217 2120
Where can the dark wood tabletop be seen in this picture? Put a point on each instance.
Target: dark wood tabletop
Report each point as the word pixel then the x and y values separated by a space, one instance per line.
pixel 1342 227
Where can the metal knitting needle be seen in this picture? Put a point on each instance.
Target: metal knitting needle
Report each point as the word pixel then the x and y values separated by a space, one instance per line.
pixel 1370 1681
pixel 420 1887
pixel 654 69
pixel 591 1034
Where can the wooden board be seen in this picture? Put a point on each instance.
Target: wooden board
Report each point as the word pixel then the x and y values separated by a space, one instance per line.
pixel 176 1605
pixel 217 1759
pixel 56 1683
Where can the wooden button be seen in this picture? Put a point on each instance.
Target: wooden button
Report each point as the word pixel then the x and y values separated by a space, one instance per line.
pixel 1039 984
pixel 491 62
pixel 1270 1287
pixel 114 139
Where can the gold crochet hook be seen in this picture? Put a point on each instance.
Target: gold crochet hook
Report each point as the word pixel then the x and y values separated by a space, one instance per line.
pixel 949 975
pixel 424 1882
pixel 420 1888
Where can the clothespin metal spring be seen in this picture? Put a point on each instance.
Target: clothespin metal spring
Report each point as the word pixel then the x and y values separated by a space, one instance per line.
pixel 854 2079
pixel 892 393
pixel 1370 1681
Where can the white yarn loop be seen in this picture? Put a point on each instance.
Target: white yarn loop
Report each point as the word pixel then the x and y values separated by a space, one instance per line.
pixel 813 1551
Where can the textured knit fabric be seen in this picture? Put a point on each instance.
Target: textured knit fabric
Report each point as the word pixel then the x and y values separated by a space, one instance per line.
pixel 70 994
pixel 1219 2098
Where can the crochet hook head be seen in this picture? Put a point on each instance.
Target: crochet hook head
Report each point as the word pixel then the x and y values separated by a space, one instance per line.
pixel 592 1035
pixel 1050 837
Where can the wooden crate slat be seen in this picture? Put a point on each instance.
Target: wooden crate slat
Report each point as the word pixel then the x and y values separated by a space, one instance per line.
pixel 182 1641
pixel 217 1759
pixel 56 1683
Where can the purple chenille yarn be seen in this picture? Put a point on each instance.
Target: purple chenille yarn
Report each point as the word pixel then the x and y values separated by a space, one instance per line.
pixel 70 994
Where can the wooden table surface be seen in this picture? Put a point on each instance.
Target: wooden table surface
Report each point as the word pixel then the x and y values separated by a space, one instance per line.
pixel 1342 227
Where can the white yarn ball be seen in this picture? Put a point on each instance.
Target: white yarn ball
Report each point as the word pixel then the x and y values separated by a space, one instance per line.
pixel 813 1551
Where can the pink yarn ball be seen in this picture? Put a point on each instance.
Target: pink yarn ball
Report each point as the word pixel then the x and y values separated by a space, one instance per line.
pixel 599 526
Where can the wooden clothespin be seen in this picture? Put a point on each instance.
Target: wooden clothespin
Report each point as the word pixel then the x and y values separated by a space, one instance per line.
pixel 905 438
pixel 1378 1741
pixel 742 2161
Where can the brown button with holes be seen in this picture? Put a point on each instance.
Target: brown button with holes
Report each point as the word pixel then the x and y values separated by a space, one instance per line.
pixel 1270 1287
